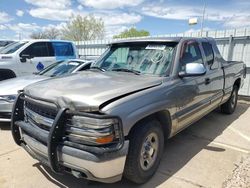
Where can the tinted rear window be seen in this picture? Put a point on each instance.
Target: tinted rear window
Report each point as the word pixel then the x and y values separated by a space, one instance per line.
pixel 63 49
pixel 38 49
pixel 208 52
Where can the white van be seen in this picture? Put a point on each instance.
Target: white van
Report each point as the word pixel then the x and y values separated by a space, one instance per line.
pixel 26 57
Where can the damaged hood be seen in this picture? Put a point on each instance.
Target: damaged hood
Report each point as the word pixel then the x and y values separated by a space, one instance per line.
pixel 88 90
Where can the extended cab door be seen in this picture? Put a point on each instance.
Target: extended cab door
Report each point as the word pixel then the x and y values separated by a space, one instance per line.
pixel 214 76
pixel 193 92
pixel 63 50
pixel 36 57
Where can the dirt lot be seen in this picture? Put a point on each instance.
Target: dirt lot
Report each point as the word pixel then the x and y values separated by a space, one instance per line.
pixel 213 152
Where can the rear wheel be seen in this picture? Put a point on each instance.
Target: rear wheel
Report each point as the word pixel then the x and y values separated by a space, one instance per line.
pixel 230 105
pixel 145 151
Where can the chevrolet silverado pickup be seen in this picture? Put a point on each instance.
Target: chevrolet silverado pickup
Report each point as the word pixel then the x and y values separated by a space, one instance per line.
pixel 112 121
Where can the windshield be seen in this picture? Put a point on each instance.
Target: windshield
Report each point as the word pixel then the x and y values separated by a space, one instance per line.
pixel 4 43
pixel 146 58
pixel 11 48
pixel 60 68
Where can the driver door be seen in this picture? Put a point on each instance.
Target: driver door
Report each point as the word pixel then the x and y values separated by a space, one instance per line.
pixel 36 57
pixel 192 91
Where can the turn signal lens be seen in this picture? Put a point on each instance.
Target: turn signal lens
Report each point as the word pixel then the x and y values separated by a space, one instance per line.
pixel 105 140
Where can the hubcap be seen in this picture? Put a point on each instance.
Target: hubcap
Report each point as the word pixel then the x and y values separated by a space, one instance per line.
pixel 149 151
pixel 234 98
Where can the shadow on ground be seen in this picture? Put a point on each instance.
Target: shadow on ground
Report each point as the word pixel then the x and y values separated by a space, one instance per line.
pixel 4 126
pixel 178 151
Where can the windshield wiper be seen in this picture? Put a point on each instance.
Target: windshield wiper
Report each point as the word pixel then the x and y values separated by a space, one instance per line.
pixel 127 70
pixel 98 68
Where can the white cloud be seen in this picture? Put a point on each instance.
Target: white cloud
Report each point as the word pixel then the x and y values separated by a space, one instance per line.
pixel 56 4
pixel 228 18
pixel 52 14
pixel 23 27
pixel 19 13
pixel 197 30
pixel 4 17
pixel 3 27
pixel 109 17
pixel 57 26
pixel 177 13
pixel 79 7
pixel 185 12
pixel 110 31
pixel 113 18
pixel 110 4
pixel 238 21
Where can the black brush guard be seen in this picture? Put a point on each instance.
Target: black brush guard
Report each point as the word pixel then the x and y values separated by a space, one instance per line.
pixel 55 134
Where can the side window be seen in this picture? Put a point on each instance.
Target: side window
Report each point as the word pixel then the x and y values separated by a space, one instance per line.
pixel 51 49
pixel 63 49
pixel 38 49
pixel 190 53
pixel 208 53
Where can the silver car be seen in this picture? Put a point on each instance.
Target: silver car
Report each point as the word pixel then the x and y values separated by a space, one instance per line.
pixel 9 88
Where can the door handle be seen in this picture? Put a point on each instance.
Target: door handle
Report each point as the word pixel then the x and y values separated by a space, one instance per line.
pixel 207 81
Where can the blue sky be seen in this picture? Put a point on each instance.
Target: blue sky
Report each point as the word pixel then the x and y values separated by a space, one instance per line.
pixel 22 17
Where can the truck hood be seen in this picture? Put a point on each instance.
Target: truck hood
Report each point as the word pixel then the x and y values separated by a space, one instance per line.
pixel 12 86
pixel 89 90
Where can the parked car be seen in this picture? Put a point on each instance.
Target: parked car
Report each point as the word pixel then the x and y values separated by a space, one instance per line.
pixel 9 88
pixel 4 43
pixel 112 120
pixel 25 57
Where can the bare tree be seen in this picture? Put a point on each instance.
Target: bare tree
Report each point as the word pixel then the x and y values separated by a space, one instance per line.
pixel 50 33
pixel 38 35
pixel 83 28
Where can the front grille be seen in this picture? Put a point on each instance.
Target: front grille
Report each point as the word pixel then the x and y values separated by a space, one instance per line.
pixel 41 116
pixel 5 115
pixel 42 110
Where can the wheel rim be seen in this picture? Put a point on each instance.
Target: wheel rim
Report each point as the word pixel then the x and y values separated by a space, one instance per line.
pixel 149 151
pixel 234 98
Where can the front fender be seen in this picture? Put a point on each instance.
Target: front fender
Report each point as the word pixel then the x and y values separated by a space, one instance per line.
pixel 138 106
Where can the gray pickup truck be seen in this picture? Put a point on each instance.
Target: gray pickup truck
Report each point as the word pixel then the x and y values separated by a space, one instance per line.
pixel 113 120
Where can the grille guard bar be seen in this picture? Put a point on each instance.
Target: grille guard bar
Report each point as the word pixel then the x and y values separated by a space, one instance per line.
pixel 56 132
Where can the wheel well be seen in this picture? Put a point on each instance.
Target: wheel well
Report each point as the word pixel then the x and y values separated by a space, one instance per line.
pixel 164 119
pixel 6 74
pixel 237 83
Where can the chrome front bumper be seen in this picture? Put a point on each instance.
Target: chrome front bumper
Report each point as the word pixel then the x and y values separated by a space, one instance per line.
pixel 81 163
pixel 5 111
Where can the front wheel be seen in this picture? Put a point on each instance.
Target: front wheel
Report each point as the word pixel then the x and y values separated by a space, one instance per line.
pixel 145 151
pixel 230 105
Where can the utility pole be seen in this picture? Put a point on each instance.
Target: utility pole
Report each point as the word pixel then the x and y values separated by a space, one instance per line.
pixel 203 16
pixel 20 36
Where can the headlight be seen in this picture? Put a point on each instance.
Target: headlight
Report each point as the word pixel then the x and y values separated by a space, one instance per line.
pixel 8 98
pixel 93 131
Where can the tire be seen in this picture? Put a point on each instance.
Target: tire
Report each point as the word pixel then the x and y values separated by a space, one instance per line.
pixel 146 138
pixel 230 105
pixel 6 74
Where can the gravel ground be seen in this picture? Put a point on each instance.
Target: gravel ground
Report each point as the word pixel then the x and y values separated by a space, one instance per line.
pixel 240 177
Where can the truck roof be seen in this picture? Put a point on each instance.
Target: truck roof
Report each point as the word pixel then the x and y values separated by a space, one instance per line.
pixel 45 40
pixel 158 39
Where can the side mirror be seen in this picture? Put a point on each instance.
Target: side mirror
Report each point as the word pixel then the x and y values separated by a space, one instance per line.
pixel 193 69
pixel 24 57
